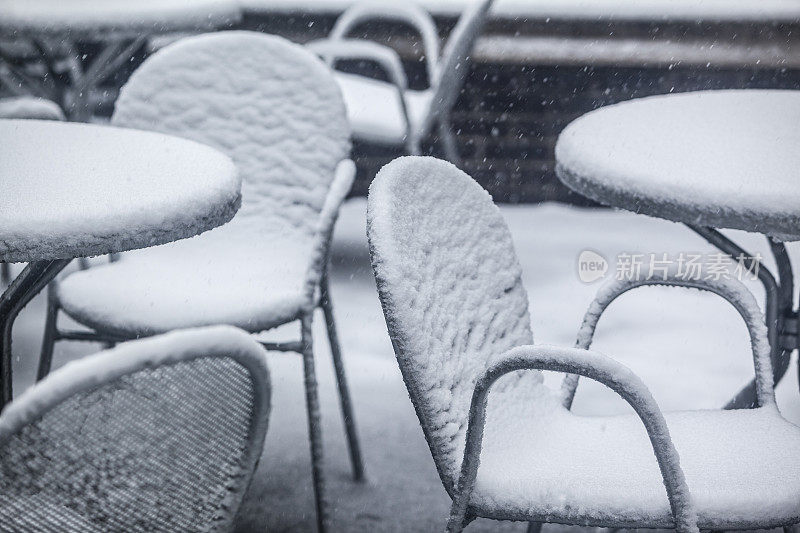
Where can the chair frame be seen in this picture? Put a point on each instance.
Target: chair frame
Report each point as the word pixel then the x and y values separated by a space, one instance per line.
pixel 170 349
pixel 581 361
pixel 444 78
pixel 340 186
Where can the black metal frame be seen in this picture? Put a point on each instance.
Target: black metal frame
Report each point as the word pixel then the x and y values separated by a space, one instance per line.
pixel 780 314
pixel 17 295
pixel 304 347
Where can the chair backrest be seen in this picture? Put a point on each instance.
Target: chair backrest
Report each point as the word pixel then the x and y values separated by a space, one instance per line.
pixel 269 104
pixel 449 282
pixel 161 434
pixel 407 13
pixel 454 64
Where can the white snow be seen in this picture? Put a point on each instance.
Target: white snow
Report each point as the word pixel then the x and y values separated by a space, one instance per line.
pixel 278 113
pixel 375 111
pixel 104 16
pixel 716 158
pixel 92 189
pixel 30 107
pixel 451 291
pixel 726 10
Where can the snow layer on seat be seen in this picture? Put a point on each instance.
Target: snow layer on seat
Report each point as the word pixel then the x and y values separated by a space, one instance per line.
pixel 269 104
pixel 91 189
pixel 715 158
pixel 450 286
pixel 30 107
pixel 374 111
pixel 232 275
pixel 740 466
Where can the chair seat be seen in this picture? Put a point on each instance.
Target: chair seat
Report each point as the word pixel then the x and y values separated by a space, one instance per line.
pixel 226 276
pixel 742 468
pixel 374 110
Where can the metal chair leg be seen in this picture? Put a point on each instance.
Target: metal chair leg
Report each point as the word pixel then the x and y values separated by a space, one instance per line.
pixel 345 403
pixel 449 142
pixel 534 527
pixel 5 273
pixel 49 337
pixel 314 428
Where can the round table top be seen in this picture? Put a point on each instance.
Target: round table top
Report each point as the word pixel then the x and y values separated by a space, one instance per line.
pixel 726 159
pixel 70 190
pixel 93 17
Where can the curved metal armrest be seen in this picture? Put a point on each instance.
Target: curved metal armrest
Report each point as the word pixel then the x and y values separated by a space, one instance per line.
pixel 339 188
pixel 408 13
pixel 595 366
pixel 331 50
pixel 732 290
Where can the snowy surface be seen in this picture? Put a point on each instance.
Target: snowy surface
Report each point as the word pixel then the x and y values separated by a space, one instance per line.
pixel 92 190
pixel 30 107
pixel 575 9
pixel 715 158
pixel 375 112
pixel 689 348
pixel 287 136
pixel 574 468
pixel 101 16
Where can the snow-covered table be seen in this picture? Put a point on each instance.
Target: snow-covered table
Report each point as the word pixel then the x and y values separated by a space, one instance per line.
pixel 75 190
pixel 709 159
pixel 119 27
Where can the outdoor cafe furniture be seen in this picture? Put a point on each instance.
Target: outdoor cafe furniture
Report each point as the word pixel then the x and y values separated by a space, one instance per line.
pixel 46 32
pixel 161 434
pixel 708 159
pixel 391 113
pixel 76 190
pixel 507 447
pixel 276 110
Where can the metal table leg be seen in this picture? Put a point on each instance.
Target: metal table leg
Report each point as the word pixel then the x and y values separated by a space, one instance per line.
pixel 781 318
pixel 28 284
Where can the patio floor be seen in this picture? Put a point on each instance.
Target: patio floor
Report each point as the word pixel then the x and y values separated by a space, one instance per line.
pixel 690 348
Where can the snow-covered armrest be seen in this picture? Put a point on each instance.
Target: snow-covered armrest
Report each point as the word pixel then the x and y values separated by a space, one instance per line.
pixel 340 186
pixel 595 366
pixel 732 290
pixel 407 13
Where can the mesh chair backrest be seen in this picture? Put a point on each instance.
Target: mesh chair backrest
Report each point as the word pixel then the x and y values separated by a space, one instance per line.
pixel 450 286
pixel 454 64
pixel 271 105
pixel 168 446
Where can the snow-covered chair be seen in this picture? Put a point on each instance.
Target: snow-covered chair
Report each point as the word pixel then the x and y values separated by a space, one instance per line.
pixel 276 110
pixel 390 113
pixel 161 434
pixel 507 447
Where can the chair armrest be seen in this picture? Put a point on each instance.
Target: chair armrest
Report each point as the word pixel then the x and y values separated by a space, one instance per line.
pixel 595 366
pixel 732 290
pixel 407 13
pixel 340 186
pixel 331 50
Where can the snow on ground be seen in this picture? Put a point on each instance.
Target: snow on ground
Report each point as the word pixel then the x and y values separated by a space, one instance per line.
pixel 691 349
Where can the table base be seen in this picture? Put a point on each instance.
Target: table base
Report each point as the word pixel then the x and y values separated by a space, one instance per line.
pixel 28 284
pixel 780 315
